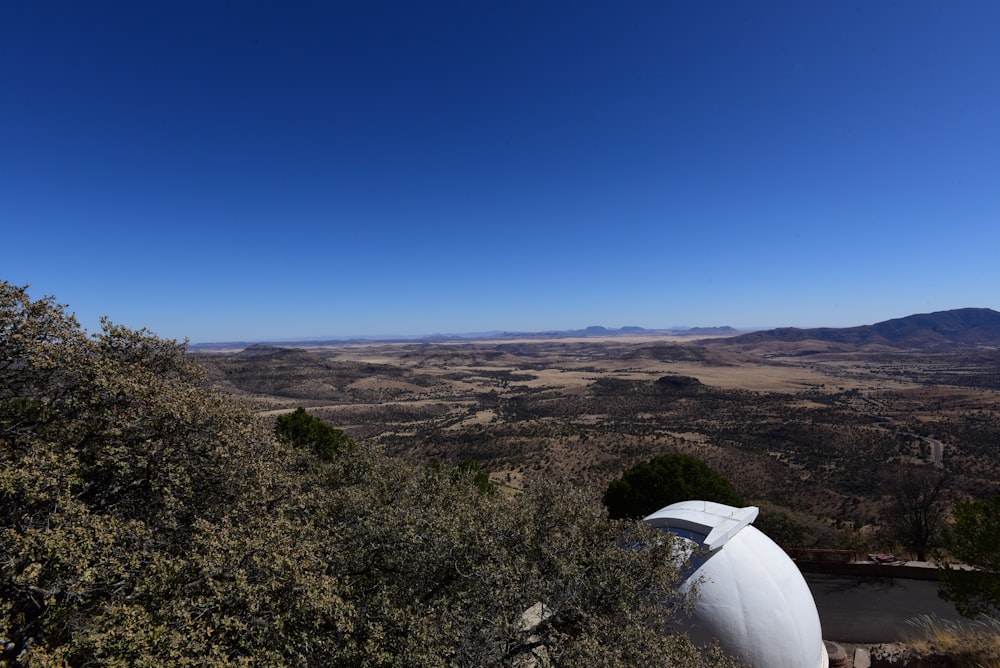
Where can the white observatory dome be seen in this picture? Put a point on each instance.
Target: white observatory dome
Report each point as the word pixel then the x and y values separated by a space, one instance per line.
pixel 750 596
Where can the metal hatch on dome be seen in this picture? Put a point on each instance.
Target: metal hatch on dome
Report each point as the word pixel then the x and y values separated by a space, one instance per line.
pixel 715 521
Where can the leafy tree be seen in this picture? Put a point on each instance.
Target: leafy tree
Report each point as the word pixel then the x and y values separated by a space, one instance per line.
pixel 974 541
pixel 307 431
pixel 451 573
pixel 147 521
pixel 650 485
pixel 112 460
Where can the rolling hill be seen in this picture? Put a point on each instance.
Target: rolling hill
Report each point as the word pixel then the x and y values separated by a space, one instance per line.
pixel 941 329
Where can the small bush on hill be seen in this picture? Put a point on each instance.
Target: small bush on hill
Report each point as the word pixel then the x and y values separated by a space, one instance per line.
pixel 307 431
pixel 650 485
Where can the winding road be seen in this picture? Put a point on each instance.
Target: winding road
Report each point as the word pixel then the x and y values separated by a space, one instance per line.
pixel 937 447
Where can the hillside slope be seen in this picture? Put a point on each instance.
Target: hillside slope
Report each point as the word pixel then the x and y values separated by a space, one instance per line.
pixel 941 329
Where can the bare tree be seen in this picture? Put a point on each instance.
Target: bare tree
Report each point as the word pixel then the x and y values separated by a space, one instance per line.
pixel 915 507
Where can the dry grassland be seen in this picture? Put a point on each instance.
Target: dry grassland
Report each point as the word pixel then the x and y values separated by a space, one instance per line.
pixel 814 432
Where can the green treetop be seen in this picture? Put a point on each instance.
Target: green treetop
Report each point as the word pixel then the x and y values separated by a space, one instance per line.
pixel 652 484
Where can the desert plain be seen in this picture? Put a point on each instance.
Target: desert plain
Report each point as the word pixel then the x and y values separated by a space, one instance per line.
pixel 816 429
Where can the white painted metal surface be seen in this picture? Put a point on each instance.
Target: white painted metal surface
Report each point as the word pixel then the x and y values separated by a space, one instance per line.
pixel 750 595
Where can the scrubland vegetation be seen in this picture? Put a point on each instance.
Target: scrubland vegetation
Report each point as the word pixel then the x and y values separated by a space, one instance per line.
pixel 862 448
pixel 159 507
pixel 820 439
pixel 148 520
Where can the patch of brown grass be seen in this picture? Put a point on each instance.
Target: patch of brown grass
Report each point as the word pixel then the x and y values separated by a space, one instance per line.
pixel 971 643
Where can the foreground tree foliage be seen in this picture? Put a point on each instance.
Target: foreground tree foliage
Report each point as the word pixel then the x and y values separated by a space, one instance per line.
pixel 974 541
pixel 652 484
pixel 146 521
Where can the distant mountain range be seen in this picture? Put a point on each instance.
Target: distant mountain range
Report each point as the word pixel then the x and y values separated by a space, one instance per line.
pixel 942 329
pixel 592 331
pixel 598 330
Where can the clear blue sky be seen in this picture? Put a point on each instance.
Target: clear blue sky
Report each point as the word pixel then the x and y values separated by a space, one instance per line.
pixel 249 171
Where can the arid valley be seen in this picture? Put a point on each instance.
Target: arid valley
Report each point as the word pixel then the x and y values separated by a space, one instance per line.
pixel 814 426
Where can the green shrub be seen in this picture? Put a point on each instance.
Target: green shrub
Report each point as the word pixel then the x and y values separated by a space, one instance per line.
pixel 307 431
pixel 650 485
